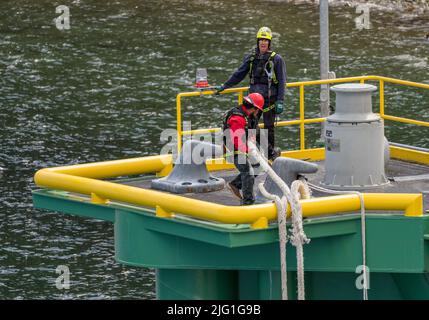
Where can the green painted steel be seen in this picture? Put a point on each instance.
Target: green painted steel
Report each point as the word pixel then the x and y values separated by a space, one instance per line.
pixel 75 205
pixel 188 284
pixel 205 260
pixel 265 285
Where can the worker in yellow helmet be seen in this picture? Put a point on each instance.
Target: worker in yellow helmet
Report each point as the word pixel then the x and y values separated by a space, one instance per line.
pixel 264 33
pixel 267 71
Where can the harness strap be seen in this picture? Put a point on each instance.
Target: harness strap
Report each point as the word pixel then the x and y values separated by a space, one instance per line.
pixel 271 75
pixel 269 108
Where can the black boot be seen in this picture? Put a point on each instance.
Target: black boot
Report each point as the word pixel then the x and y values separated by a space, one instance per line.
pixel 275 153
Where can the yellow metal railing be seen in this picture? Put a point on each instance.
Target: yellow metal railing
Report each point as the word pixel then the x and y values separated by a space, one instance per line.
pixel 302 121
pixel 85 178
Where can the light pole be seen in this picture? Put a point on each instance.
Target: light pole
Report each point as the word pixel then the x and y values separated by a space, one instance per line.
pixel 324 60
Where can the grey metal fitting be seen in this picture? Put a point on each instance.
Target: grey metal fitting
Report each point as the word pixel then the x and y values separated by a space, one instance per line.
pixel 190 172
pixel 355 147
pixel 288 170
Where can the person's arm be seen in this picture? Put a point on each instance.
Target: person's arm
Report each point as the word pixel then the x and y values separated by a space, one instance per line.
pixel 238 134
pixel 280 70
pixel 239 74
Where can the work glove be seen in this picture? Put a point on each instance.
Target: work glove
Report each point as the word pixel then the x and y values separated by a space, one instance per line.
pixel 218 89
pixel 279 107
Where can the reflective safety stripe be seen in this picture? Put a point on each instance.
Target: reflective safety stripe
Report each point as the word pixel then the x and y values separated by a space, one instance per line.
pixel 251 65
pixel 269 108
pixel 274 77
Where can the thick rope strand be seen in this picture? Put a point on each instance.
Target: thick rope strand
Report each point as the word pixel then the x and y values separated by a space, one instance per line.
pixel 298 236
pixel 281 205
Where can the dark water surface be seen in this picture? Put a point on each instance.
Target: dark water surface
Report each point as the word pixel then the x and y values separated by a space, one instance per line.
pixel 105 89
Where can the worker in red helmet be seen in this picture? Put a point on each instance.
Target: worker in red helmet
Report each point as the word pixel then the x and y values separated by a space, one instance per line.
pixel 236 125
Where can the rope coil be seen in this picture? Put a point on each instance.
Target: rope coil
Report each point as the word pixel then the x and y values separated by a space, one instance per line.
pixel 300 189
pixel 298 238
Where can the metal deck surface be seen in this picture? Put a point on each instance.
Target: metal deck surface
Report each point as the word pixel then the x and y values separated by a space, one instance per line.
pixel 405 178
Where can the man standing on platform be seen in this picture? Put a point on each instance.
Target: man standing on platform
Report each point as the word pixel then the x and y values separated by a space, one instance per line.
pixel 267 71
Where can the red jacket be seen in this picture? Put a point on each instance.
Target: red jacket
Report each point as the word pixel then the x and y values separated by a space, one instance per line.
pixel 237 125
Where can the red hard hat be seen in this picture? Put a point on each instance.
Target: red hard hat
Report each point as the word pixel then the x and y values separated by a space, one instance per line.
pixel 255 99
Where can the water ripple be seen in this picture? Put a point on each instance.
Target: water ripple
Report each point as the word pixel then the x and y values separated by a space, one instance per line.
pixel 105 89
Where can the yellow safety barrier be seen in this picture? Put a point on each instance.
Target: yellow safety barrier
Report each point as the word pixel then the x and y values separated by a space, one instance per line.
pixel 82 179
pixel 115 168
pixel 302 121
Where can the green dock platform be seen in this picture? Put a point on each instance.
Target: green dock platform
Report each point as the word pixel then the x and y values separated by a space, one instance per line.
pixel 197 259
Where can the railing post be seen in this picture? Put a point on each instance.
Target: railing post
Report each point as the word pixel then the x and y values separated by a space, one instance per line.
pixel 179 122
pixel 240 98
pixel 301 117
pixel 382 98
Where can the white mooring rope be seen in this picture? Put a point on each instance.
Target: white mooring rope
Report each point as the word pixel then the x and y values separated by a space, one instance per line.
pixel 281 205
pixel 298 237
pixel 300 190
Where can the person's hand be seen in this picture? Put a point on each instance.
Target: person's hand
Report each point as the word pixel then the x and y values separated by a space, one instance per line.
pixel 279 107
pixel 218 89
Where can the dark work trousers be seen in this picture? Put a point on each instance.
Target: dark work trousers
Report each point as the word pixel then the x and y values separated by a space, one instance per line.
pixel 269 120
pixel 269 116
pixel 245 180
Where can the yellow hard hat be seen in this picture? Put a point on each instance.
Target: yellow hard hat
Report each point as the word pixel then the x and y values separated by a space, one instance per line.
pixel 264 33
